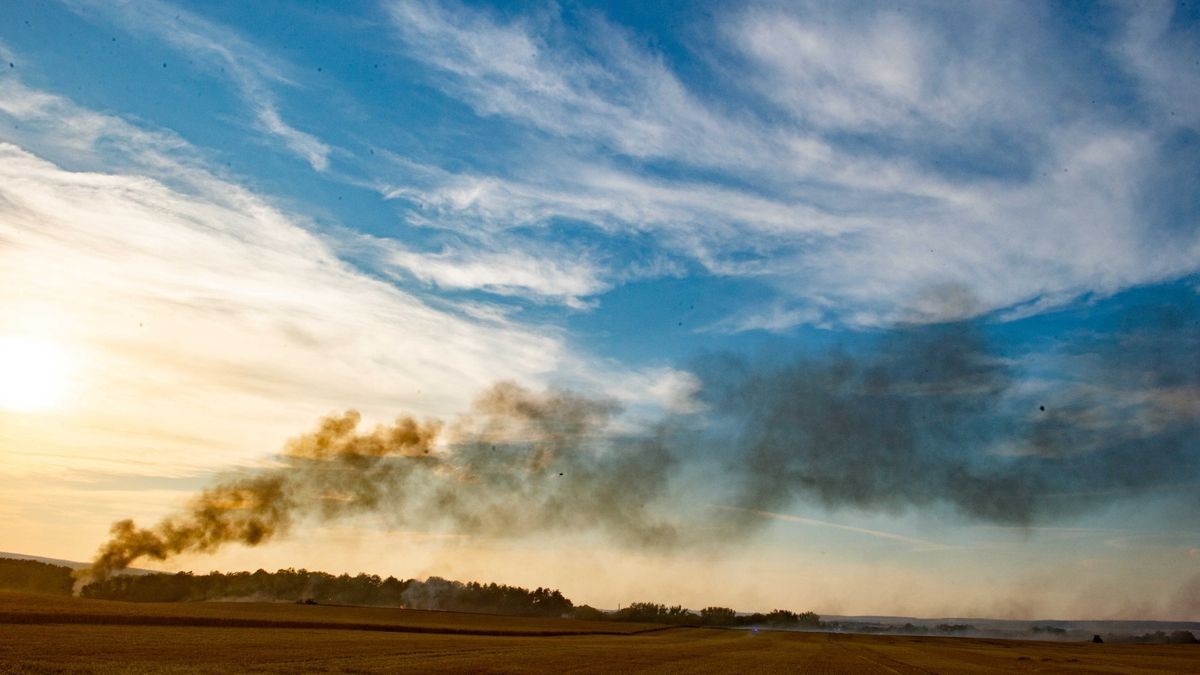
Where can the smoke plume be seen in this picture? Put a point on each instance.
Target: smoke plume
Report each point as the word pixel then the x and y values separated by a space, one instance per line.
pixel 908 426
pixel 938 416
pixel 924 416
pixel 521 462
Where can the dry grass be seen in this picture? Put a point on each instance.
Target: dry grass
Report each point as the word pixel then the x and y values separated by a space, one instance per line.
pixel 335 647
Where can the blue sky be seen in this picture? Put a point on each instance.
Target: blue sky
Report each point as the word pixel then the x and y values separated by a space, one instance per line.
pixel 233 218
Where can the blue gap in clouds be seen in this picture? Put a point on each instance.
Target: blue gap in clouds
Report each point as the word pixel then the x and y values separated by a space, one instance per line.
pixel 1170 193
pixel 1102 317
pixel 1092 81
pixel 656 322
pixel 663 321
pixel 102 68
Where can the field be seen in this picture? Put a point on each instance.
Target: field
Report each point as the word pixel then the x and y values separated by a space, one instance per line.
pixel 54 634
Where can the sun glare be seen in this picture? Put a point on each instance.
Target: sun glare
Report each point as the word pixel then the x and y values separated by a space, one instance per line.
pixel 33 374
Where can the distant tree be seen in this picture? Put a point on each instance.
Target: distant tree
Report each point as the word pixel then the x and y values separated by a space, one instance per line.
pixel 588 613
pixel 782 617
pixel 755 619
pixel 1181 637
pixel 391 591
pixel 35 577
pixel 809 619
pixel 648 612
pixel 677 614
pixel 718 616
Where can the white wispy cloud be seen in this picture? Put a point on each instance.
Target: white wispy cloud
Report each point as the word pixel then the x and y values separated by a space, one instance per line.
pixel 882 69
pixel 864 233
pixel 1164 60
pixel 505 273
pixel 210 325
pixel 693 220
pixel 845 235
pixel 506 69
pixel 772 318
pixel 251 70
pixel 205 325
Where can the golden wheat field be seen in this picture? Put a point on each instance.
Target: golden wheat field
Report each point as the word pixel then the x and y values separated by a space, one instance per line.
pixel 44 634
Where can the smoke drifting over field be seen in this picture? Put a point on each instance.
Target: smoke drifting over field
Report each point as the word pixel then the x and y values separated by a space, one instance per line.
pixel 521 462
pixel 929 416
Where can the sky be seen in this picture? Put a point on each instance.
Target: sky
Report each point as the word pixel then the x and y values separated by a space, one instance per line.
pixel 871 308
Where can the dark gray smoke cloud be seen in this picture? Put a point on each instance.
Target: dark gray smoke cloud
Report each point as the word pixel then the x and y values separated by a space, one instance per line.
pixel 909 425
pixel 1130 423
pixel 935 415
pixel 924 416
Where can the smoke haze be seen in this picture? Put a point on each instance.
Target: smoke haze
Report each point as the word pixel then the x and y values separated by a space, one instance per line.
pixel 935 415
pixel 926 416
pixel 519 463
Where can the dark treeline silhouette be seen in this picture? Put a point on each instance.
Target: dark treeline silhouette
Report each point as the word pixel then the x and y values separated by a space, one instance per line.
pixel 283 585
pixel 434 593
pixel 709 616
pixel 34 576
pixel 905 629
pixel 1175 637
pixel 323 588
pixel 438 593
pixel 952 628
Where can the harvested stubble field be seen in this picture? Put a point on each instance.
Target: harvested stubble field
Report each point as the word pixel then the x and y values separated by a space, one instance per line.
pixel 51 634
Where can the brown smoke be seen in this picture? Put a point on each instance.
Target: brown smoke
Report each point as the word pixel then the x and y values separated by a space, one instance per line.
pixel 919 417
pixel 520 462
pixel 334 471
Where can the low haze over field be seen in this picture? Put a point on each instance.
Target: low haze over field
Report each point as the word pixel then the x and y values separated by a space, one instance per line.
pixel 863 309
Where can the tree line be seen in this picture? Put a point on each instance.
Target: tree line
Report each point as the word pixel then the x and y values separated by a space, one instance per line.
pixel 649 612
pixel 434 593
pixel 36 577
pixel 323 588
pixel 1175 637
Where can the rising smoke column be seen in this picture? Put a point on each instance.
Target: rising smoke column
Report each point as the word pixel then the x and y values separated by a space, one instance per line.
pixel 332 472
pixel 520 462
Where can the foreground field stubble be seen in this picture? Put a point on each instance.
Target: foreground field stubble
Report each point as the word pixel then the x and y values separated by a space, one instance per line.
pixel 38 645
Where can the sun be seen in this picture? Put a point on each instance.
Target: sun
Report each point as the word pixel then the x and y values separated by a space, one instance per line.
pixel 34 374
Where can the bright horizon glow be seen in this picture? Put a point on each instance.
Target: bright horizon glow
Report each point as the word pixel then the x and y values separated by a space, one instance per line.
pixel 34 374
